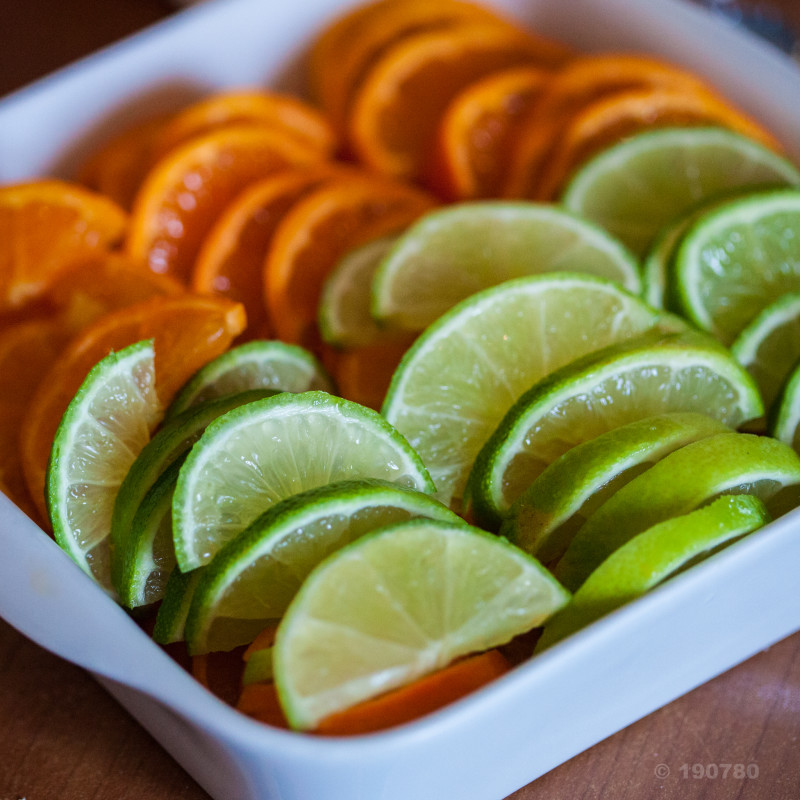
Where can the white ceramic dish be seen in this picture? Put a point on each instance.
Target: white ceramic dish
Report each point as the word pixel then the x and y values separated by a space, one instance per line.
pixel 550 708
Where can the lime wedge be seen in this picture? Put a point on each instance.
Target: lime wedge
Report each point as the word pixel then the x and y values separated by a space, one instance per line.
pixel 104 428
pixel 634 188
pixel 174 608
pixel 466 370
pixel 397 604
pixel 457 251
pixel 252 580
pixel 653 556
pixel 171 443
pixel 345 319
pixel 728 463
pixel 654 375
pixel 738 259
pixel 769 347
pixel 547 514
pixel 266 451
pixel 256 365
pixel 784 423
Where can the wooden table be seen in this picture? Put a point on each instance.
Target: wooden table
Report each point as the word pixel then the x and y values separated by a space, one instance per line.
pixel 62 737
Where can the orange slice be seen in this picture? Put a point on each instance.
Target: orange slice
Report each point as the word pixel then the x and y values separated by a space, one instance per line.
pixel 582 81
pixel 27 351
pixel 314 235
pixel 477 131
pixel 610 119
pixel 337 68
pixel 189 330
pixel 396 110
pixel 231 260
pixel 118 167
pixel 187 190
pixel 45 225
pixel 270 109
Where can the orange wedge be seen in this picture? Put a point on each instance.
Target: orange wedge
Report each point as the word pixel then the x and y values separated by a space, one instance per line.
pixel 231 260
pixel 314 235
pixel 610 119
pixel 189 330
pixel 582 81
pixel 338 67
pixel 282 112
pixel 187 190
pixel 119 166
pixel 397 108
pixel 46 225
pixel 477 132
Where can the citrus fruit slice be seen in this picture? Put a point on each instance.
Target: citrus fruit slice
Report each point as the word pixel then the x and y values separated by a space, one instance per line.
pixel 785 419
pixel 546 515
pixel 317 231
pixel 46 225
pixel 655 375
pixel 454 252
pixel 400 603
pixel 397 107
pixel 477 131
pixel 266 451
pixel 737 259
pixel 252 580
pixel 186 190
pixel 635 187
pixel 188 331
pixel 174 607
pixel 256 365
pixel 769 347
pixel 274 110
pixel 652 557
pixel 106 425
pixel 468 368
pixel 344 310
pixel 172 442
pixel 728 463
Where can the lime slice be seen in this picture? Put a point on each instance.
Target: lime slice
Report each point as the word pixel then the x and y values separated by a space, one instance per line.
pixel 466 370
pixel 547 514
pixel 634 188
pixel 253 579
pixel 345 319
pixel 400 603
pixel 738 259
pixel 769 346
pixel 785 419
pixel 256 365
pixel 457 251
pixel 728 463
pixel 174 608
pixel 266 451
pixel 653 556
pixel 624 383
pixel 106 425
pixel 171 443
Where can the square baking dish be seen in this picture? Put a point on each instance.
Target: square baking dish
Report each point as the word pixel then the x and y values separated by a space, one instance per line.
pixel 548 709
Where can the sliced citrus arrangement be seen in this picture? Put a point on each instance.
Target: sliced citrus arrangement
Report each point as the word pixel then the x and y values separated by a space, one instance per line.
pixel 397 604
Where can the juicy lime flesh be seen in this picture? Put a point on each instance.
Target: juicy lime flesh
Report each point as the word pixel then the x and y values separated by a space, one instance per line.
pixel 546 516
pixel 738 260
pixel 464 373
pixel 252 581
pixel 786 423
pixel 400 603
pixel 653 556
pixel 107 424
pixel 636 187
pixel 455 252
pixel 770 346
pixel 729 463
pixel 269 450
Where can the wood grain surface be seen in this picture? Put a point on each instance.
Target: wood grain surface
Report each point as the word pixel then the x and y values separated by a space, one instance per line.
pixel 63 738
